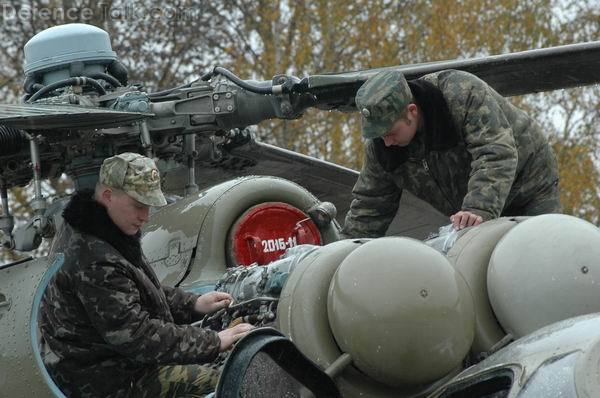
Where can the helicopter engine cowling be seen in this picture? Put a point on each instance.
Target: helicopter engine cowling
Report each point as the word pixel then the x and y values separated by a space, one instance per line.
pixel 189 242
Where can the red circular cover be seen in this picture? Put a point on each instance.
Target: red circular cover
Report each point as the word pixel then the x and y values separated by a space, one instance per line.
pixel 265 231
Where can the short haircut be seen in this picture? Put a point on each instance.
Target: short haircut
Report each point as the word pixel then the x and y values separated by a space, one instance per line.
pixel 101 187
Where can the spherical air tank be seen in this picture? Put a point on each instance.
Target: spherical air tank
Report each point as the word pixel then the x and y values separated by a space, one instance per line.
pixel 544 270
pixel 393 307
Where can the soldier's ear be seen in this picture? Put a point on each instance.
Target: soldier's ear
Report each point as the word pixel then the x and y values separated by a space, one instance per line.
pixel 106 195
pixel 412 109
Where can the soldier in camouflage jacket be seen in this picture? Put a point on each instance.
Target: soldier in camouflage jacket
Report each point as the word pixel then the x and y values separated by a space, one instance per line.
pixel 115 330
pixel 454 142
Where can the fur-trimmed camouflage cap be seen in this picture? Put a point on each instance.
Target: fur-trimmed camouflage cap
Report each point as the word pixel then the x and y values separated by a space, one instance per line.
pixel 134 174
pixel 381 100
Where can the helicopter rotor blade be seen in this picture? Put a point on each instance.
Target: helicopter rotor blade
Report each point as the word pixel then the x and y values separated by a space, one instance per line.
pixel 48 117
pixel 510 74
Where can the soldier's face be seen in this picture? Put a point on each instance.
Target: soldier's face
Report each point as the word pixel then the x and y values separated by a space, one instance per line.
pixel 403 130
pixel 127 213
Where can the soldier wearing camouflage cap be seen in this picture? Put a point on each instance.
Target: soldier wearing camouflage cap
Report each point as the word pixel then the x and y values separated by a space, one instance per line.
pixel 134 174
pixel 453 141
pixel 382 101
pixel 115 329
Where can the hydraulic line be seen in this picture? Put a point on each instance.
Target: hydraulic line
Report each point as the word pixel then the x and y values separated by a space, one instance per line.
pixel 106 77
pixel 73 81
pixel 204 77
pixel 244 84
pixel 219 70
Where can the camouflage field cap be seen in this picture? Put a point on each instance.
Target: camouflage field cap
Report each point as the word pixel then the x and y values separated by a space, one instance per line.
pixel 381 100
pixel 134 174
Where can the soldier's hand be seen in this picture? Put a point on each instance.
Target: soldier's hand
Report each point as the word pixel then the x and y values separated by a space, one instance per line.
pixel 464 219
pixel 213 301
pixel 231 335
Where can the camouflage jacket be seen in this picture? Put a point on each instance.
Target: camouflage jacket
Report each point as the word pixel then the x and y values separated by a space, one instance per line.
pixel 105 314
pixel 498 163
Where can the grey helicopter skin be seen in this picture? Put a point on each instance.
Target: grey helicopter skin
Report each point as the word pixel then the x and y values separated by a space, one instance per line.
pixel 403 331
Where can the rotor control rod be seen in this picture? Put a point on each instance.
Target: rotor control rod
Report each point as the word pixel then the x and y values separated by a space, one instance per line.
pixel 4 196
pixel 145 139
pixel 189 146
pixel 7 222
pixel 38 204
pixel 29 236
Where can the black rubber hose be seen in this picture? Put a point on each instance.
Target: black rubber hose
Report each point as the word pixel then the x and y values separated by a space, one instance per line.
pixel 243 84
pixel 106 77
pixel 11 141
pixel 220 71
pixel 206 77
pixel 118 70
pixel 72 81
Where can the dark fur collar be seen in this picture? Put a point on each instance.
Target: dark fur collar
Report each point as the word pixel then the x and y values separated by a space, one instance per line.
pixel 86 215
pixel 439 133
